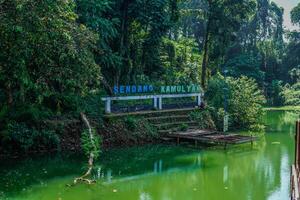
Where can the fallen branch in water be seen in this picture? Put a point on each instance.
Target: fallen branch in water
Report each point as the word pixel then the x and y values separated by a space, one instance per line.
pixel 92 148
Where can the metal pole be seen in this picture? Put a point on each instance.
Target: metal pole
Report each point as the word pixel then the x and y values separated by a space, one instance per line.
pixel 225 128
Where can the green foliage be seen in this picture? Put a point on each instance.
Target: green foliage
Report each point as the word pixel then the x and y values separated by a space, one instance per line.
pixel 131 123
pixel 295 15
pixel 204 118
pixel 151 130
pixel 46 60
pixel 91 145
pixel 246 104
pixel 245 100
pixel 131 33
pixel 181 61
pixel 29 138
pixel 291 94
pixel 47 57
pixel 51 53
pixel 140 127
pixel 246 65
pixel 275 90
pixel 183 127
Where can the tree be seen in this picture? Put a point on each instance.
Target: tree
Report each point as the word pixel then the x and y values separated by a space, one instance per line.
pixel 224 20
pixel 46 60
pixel 295 15
pixel 131 35
pixel 43 49
pixel 243 114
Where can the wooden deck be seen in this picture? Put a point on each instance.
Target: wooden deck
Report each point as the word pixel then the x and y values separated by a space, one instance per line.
pixel 295 170
pixel 210 137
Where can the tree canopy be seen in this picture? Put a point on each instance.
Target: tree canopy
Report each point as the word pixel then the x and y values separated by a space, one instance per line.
pixel 58 57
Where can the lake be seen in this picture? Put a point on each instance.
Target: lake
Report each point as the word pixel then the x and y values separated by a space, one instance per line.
pixel 164 172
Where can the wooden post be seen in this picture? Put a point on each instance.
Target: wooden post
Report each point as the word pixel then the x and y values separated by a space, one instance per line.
pixel 295 168
pixel 297 144
pixel 177 140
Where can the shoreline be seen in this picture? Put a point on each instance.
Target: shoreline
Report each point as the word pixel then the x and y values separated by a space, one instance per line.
pixel 282 108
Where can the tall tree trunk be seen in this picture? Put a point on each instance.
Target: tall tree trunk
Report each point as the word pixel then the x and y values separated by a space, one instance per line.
pixel 124 26
pixel 205 55
pixel 9 94
pixel 124 37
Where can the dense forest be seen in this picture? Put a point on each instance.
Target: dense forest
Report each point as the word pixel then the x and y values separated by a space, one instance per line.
pixel 57 58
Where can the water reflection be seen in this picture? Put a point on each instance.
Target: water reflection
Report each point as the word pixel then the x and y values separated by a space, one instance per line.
pixel 164 172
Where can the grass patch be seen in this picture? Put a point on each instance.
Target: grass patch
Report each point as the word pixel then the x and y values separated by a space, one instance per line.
pixel 283 108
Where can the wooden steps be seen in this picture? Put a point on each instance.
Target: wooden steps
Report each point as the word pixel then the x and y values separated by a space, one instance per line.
pixel 166 118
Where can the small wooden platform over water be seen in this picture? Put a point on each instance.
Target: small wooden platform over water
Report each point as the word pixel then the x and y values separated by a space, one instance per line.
pixel 210 137
pixel 169 124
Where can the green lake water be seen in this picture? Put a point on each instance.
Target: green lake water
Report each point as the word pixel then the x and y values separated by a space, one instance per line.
pixel 163 172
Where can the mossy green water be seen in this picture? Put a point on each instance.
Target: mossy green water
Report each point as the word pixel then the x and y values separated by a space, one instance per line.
pixel 163 172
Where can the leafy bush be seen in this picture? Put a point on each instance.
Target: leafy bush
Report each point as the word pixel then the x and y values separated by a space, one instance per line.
pixel 204 118
pixel 245 100
pixel 183 127
pixel 131 123
pixel 89 146
pixel 30 138
pixel 150 130
pixel 291 94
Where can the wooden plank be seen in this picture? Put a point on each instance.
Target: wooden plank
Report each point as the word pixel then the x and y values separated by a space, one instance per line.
pixel 297 153
pixel 294 184
pixel 212 137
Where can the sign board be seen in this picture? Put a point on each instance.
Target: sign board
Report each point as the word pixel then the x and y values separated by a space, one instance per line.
pixel 165 89
pixel 226 119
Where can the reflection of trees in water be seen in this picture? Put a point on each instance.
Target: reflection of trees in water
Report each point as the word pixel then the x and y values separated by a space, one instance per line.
pixel 21 173
pixel 176 172
pixel 289 117
pixel 281 121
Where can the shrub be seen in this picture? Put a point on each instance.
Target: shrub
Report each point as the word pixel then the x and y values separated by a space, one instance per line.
pixel 245 100
pixel 291 94
pixel 204 118
pixel 30 138
pixel 183 127
pixel 131 123
pixel 89 146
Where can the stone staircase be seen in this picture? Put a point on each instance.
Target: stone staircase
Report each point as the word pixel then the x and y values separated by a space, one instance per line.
pixel 166 121
pixel 172 121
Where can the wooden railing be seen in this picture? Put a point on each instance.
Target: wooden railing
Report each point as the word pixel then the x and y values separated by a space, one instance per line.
pixel 295 171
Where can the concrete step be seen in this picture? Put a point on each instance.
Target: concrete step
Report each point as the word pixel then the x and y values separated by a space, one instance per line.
pixel 174 125
pixel 154 113
pixel 164 119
